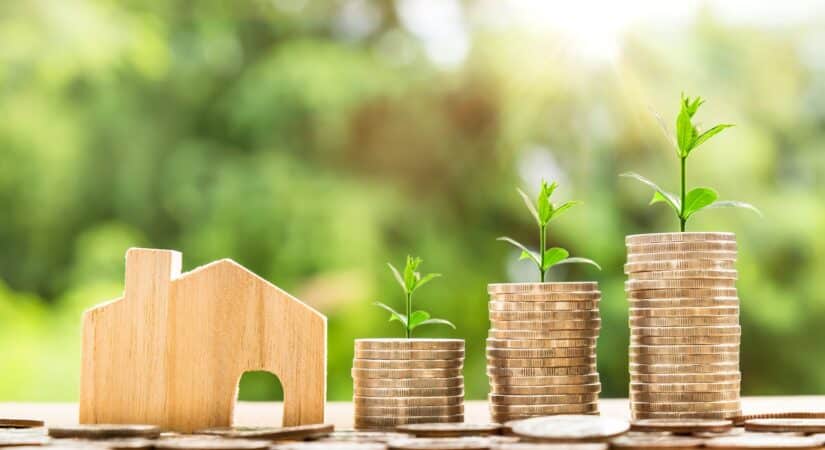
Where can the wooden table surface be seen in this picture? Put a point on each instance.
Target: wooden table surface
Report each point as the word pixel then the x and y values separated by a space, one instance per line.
pixel 340 413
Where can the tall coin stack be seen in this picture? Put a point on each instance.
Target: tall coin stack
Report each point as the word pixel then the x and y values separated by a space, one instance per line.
pixel 541 349
pixel 401 381
pixel 684 325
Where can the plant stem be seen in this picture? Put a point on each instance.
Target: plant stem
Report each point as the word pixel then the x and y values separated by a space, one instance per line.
pixel 409 311
pixel 542 246
pixel 682 219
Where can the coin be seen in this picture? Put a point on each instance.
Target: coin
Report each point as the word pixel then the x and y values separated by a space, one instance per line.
pixel 671 378
pixel 705 274
pixel 685 406
pixel 450 429
pixel 409 344
pixel 405 373
pixel 210 443
pixel 362 437
pixel 460 443
pixel 408 401
pixel 637 415
pixel 694 321
pixel 741 419
pixel 664 313
pixel 103 431
pixel 403 411
pixel 786 425
pixel 362 421
pixel 684 340
pixel 509 288
pixel 666 303
pixel 545 315
pixel 650 238
pixel 570 428
pixel 647 294
pixel 671 247
pixel 683 349
pixel 546 409
pixel 298 432
pixel 728 330
pixel 683 368
pixel 409 354
pixel 648 441
pixel 506 305
pixel 590 388
pixel 22 440
pixel 128 444
pixel 546 324
pixel 579 299
pixel 564 352
pixel 408 364
pixel 520 380
pixel 543 334
pixel 408 392
pixel 709 358
pixel 337 445
pixel 679 264
pixel 682 255
pixel 681 426
pixel 667 397
pixel 686 283
pixel 762 441
pixel 495 343
pixel 541 362
pixel 409 383
pixel 561 399
pixel 20 423
pixel 685 387
pixel 540 371
pixel 538 446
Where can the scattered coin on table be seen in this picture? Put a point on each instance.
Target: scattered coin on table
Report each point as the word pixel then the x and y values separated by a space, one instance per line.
pixel 641 441
pixel 740 419
pixel 450 429
pixel 682 426
pixel 211 443
pixel 330 446
pixel 762 441
pixel 570 428
pixel 779 425
pixel 272 433
pixel 19 423
pixel 364 436
pixel 459 443
pixel 104 431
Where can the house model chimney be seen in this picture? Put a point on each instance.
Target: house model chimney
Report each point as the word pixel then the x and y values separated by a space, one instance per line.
pixel 149 273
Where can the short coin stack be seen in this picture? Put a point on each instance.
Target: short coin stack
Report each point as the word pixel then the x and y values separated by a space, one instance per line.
pixel 402 381
pixel 684 325
pixel 541 349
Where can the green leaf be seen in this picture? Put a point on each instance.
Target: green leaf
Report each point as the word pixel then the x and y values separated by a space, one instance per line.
pixel 736 204
pixel 524 250
pixel 553 256
pixel 697 199
pixel 394 315
pixel 577 260
pixel 545 207
pixel 398 277
pixel 660 194
pixel 437 322
pixel 418 317
pixel 424 280
pixel 529 205
pixel 709 134
pixel 685 131
pixel 410 275
pixel 564 207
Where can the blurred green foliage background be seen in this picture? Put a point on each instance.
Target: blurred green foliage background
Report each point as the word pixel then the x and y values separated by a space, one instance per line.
pixel 314 141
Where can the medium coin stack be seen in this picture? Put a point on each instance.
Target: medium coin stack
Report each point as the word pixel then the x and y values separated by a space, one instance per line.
pixel 402 381
pixel 684 325
pixel 541 349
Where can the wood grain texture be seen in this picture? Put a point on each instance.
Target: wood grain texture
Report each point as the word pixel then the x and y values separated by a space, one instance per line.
pixel 172 350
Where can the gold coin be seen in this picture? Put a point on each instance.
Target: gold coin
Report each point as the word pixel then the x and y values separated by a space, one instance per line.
pixel 763 441
pixel 741 419
pixel 786 425
pixel 441 443
pixel 409 392
pixel 415 383
pixel 541 362
pixel 542 334
pixel 539 343
pixel 409 344
pixel 297 432
pixel 370 422
pixel 669 303
pixel 575 408
pixel 686 283
pixel 591 388
pixel 520 380
pixel 707 358
pixel 637 415
pixel 683 368
pixel 685 406
pixel 20 423
pixel 675 397
pixel 673 247
pixel 508 418
pixel 540 371
pixel 681 293
pixel 684 426
pixel 685 312
pixel 638 441
pixel 587 296
pixel 408 401
pixel 683 349
pixel 651 238
pixel 685 387
pixel 404 411
pixel 691 274
pixel 405 373
pixel 409 354
pixel 569 352
pixel 693 321
pixel 671 378
pixel 408 364
pixel 562 399
pixel 546 324
pixel 682 256
pixel 497 305
pixel 679 264
pixel 210 443
pixel 684 340
pixel 544 315
pixel 450 429
pixel 511 288
pixel 687 331
pixel 105 431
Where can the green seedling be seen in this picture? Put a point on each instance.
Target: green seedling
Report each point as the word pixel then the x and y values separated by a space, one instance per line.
pixel 410 282
pixel 688 138
pixel 544 211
